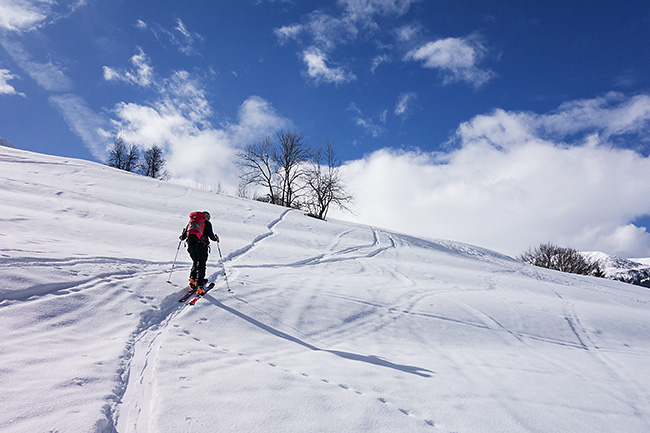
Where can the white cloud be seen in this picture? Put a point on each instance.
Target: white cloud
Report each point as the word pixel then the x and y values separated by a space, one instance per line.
pixel 22 15
pixel 26 15
pixel 325 31
pixel 378 61
pixel 184 39
pixel 403 106
pixel 367 123
pixel 407 33
pixel 180 36
pixel 5 87
pixel 141 74
pixel 365 10
pixel 141 25
pixel 509 186
pixel 319 71
pixel 287 33
pixel 49 76
pixel 179 121
pixel 456 58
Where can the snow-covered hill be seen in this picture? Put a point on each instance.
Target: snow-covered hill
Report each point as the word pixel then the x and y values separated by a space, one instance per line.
pixel 636 271
pixel 332 327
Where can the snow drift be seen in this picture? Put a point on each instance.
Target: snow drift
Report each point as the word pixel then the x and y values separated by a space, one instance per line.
pixel 332 327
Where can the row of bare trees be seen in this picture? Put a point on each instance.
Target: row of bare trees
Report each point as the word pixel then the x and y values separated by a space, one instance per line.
pixel 149 163
pixel 290 174
pixel 284 172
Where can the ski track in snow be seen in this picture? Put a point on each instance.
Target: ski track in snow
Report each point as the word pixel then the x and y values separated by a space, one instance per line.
pixel 151 330
pixel 343 320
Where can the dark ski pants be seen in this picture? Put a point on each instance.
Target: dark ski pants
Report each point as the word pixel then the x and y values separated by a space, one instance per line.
pixel 199 254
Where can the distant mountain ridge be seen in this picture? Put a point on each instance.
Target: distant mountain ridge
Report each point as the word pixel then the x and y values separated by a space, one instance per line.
pixel 632 271
pixel 6 143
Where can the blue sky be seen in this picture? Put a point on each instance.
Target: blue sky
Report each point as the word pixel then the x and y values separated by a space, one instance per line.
pixel 503 124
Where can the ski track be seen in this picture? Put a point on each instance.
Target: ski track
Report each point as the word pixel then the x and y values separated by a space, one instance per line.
pixel 151 329
pixel 138 371
pixel 155 323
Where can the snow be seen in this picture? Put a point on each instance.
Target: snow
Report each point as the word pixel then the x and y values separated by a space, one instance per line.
pixel 332 327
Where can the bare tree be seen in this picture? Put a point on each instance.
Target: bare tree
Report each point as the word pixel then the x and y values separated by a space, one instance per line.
pixel 122 156
pixel 561 259
pixel 324 183
pixel 289 156
pixel 259 168
pixel 153 164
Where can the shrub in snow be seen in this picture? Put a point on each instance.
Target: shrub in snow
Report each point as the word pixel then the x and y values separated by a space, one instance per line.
pixel 561 259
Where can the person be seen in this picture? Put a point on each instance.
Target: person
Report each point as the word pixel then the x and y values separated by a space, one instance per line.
pixel 198 246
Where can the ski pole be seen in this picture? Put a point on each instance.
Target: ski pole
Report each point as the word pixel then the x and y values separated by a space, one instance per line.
pixel 174 264
pixel 223 267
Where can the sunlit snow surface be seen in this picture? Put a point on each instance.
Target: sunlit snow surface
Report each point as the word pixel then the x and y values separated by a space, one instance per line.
pixel 332 327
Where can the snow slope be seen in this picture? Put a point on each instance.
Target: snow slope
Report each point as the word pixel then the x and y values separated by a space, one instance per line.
pixel 332 327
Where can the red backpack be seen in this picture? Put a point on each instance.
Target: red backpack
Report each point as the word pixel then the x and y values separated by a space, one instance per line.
pixel 196 225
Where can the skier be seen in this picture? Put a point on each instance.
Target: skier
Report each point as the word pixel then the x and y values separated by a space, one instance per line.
pixel 198 233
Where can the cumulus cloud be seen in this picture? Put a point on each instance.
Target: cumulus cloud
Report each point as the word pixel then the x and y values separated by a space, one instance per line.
pixel 319 71
pixel 510 184
pixel 5 87
pixel 456 58
pixel 179 121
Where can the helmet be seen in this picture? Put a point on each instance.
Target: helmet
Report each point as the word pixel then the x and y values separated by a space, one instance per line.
pixel 207 215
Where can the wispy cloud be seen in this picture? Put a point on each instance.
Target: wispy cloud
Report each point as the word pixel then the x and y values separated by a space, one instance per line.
pixel 324 32
pixel 373 127
pixel 5 87
pixel 83 121
pixel 456 58
pixel 286 33
pixel 518 179
pixel 50 76
pixel 378 61
pixel 179 36
pixel 319 71
pixel 141 74
pixel 403 107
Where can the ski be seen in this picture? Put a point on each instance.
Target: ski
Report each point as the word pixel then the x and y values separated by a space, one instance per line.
pixel 188 294
pixel 207 288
